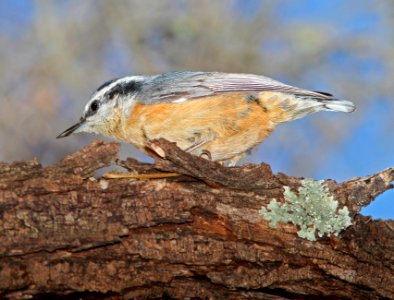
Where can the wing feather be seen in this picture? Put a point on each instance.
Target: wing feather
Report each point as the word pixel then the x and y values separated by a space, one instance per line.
pixel 169 87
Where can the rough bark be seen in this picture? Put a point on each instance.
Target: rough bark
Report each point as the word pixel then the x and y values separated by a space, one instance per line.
pixel 65 233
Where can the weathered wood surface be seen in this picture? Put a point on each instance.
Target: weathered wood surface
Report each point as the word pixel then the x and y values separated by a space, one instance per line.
pixel 65 233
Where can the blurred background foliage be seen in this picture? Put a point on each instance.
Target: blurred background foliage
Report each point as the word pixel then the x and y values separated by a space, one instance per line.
pixel 53 55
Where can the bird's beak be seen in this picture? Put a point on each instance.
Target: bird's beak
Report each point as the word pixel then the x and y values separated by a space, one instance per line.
pixel 73 129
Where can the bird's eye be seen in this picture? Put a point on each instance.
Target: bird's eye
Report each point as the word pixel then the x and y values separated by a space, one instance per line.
pixel 94 106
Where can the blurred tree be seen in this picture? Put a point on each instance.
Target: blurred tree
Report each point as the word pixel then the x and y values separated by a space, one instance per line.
pixel 53 54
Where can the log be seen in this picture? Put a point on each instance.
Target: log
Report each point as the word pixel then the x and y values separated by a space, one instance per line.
pixel 65 232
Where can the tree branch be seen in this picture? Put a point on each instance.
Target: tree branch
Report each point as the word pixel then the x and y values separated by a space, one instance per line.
pixel 196 235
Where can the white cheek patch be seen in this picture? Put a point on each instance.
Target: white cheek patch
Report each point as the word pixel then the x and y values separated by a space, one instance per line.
pixel 127 104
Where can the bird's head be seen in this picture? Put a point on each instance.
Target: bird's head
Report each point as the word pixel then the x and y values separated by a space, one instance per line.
pixel 108 103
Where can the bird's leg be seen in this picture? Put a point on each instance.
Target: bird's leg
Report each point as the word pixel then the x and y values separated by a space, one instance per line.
pixel 196 145
pixel 204 153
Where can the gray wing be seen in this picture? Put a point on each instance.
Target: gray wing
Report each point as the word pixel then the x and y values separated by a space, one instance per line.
pixel 169 87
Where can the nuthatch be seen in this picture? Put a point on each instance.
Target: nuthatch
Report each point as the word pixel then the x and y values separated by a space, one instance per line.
pixel 222 114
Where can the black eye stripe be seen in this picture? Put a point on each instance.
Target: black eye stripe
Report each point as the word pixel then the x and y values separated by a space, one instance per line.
pixel 123 88
pixel 131 86
pixel 114 91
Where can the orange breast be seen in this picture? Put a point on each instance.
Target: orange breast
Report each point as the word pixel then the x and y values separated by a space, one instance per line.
pixel 227 125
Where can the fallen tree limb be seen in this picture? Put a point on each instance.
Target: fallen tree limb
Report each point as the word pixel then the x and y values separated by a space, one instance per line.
pixel 63 232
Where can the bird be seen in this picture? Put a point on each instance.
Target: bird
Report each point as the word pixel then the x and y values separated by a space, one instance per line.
pixel 219 116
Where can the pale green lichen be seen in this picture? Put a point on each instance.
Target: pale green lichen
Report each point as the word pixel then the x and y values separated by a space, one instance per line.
pixel 313 209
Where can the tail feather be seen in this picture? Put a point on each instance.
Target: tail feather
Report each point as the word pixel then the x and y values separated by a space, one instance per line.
pixel 287 107
pixel 338 105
